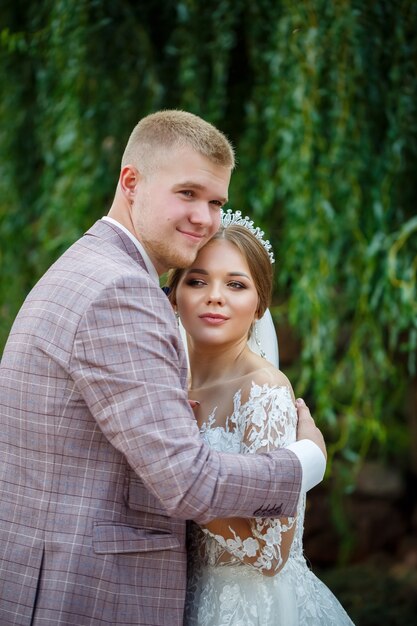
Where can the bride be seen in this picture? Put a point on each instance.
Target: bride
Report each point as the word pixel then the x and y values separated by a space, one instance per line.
pixel 242 572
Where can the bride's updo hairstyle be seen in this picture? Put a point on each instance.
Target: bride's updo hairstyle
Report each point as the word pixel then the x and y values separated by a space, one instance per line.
pixel 255 255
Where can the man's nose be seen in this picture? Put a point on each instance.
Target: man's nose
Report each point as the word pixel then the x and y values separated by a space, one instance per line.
pixel 202 214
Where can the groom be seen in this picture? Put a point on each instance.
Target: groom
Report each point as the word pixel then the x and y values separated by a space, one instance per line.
pixel 101 461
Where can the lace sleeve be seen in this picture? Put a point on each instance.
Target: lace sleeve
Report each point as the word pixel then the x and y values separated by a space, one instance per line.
pixel 269 418
pixel 266 421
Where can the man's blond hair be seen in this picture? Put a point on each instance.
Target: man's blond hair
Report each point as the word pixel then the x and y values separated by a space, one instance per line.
pixel 158 133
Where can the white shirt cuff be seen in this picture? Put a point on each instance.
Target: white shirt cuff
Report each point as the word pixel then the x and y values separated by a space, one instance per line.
pixel 313 462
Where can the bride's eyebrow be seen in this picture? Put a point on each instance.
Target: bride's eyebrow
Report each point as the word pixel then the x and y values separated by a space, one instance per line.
pixel 237 274
pixel 196 270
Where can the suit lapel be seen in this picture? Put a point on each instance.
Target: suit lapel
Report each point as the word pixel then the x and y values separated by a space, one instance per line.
pixel 115 236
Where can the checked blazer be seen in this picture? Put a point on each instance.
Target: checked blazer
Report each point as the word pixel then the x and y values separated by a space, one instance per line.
pixel 101 461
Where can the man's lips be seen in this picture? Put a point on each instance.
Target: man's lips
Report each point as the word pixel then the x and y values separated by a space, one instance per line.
pixel 192 235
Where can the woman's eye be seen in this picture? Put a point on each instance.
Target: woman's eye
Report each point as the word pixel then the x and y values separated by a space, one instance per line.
pixel 195 282
pixel 236 285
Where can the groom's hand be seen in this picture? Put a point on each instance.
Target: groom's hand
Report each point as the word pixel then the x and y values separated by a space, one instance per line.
pixel 307 428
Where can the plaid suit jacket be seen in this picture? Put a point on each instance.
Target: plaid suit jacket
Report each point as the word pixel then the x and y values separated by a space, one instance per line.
pixel 101 461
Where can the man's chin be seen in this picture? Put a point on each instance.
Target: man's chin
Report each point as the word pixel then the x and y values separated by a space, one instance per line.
pixel 183 261
pixel 179 261
pixel 183 264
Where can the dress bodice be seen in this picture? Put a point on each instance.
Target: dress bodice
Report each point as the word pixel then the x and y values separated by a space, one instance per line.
pixel 266 420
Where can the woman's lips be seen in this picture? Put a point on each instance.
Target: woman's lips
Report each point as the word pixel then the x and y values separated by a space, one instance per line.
pixel 213 318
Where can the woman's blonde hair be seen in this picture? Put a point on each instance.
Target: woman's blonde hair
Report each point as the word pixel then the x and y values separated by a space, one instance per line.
pixel 255 255
pixel 158 133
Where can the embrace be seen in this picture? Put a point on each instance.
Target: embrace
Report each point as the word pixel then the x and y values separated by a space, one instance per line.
pixel 104 456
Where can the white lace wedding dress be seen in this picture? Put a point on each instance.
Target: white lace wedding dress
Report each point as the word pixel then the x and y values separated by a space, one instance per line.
pixel 224 591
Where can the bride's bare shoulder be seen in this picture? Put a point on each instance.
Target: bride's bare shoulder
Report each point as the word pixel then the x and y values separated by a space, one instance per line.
pixel 271 376
pixel 264 373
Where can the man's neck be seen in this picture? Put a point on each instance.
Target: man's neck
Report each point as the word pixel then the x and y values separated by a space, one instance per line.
pixel 149 265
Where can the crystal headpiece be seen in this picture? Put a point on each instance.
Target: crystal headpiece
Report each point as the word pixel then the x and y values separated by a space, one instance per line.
pixel 228 218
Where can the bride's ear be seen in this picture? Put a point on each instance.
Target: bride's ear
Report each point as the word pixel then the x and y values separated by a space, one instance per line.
pixel 257 315
pixel 174 306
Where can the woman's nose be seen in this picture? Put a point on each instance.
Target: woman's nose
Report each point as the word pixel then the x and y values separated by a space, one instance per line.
pixel 215 295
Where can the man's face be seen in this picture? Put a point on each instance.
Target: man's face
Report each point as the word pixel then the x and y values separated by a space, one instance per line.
pixel 176 210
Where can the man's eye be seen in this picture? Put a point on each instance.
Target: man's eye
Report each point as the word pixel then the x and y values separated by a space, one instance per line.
pixel 217 203
pixel 187 193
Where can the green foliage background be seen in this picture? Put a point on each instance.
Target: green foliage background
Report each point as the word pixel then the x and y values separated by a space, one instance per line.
pixel 320 100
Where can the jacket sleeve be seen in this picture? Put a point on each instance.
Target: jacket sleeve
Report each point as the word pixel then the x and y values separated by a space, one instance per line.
pixel 126 363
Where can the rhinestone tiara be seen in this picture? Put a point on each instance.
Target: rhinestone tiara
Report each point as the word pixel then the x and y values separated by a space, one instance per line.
pixel 228 218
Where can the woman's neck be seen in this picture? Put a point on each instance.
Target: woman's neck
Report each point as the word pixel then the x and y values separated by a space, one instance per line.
pixel 211 364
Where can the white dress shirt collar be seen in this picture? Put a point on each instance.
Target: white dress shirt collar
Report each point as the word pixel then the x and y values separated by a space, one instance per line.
pixel 149 265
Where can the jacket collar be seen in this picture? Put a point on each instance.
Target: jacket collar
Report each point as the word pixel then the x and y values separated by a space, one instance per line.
pixel 115 236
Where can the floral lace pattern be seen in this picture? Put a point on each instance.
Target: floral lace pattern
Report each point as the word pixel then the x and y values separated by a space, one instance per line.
pixel 222 589
pixel 266 421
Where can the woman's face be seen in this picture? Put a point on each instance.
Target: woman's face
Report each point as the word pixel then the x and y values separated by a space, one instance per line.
pixel 216 297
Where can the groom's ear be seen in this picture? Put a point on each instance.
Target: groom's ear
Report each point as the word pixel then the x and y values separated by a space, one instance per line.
pixel 129 180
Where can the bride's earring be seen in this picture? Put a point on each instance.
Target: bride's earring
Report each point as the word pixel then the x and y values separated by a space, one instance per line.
pixel 257 341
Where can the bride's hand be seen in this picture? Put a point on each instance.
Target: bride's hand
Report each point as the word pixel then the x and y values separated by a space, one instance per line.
pixel 307 428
